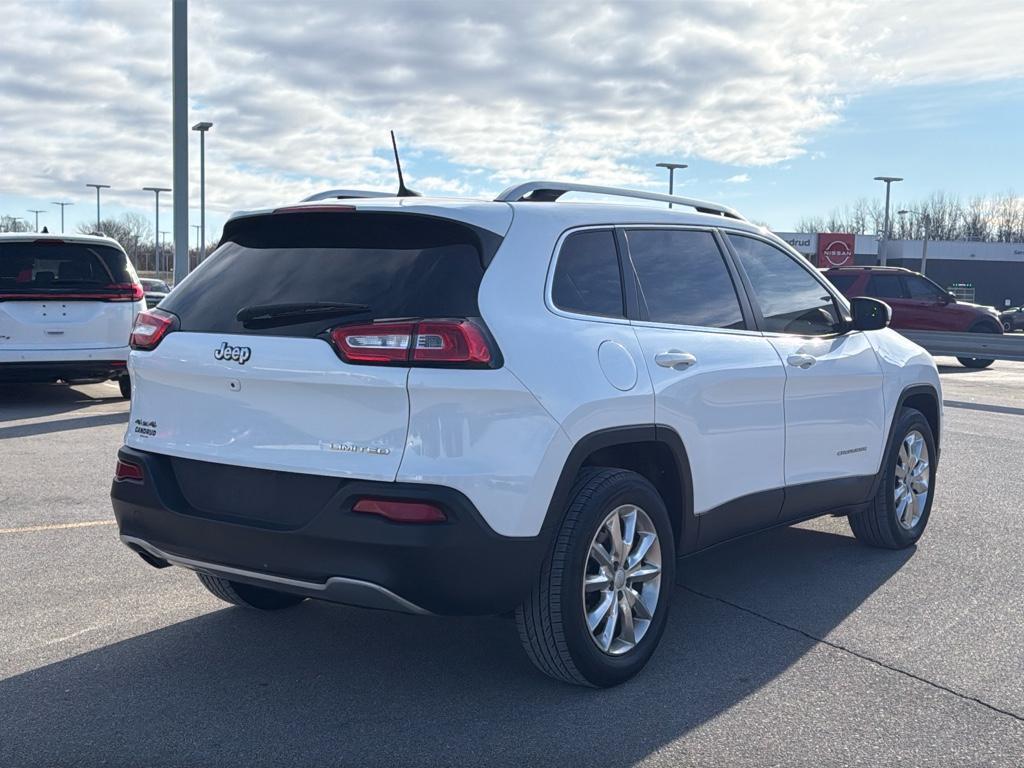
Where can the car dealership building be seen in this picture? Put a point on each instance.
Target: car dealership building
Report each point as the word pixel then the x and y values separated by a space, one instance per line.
pixel 986 273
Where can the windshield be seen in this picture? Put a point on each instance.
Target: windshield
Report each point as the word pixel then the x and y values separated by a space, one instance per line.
pixel 47 266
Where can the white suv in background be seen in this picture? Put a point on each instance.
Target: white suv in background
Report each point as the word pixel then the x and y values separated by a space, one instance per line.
pixel 518 405
pixel 67 306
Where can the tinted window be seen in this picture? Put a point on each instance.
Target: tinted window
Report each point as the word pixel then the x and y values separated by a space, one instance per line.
pixel 683 278
pixel 53 267
pixel 884 287
pixel 396 265
pixel 921 289
pixel 842 282
pixel 587 278
pixel 790 298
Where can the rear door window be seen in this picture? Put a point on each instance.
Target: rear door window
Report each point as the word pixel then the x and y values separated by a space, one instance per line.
pixel 881 286
pixel 379 265
pixel 587 278
pixel 48 267
pixel 683 278
pixel 843 283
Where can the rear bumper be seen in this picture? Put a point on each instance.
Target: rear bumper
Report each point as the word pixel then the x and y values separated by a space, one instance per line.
pixel 65 370
pixel 335 554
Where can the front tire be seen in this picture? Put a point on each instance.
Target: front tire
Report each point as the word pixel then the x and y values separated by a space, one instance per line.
pixel 898 514
pixel 978 362
pixel 247 595
pixel 601 600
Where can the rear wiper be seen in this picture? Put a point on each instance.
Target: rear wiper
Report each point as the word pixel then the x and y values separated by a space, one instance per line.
pixel 279 314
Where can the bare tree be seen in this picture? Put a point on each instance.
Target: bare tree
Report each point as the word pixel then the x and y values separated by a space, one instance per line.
pixel 13 224
pixel 133 232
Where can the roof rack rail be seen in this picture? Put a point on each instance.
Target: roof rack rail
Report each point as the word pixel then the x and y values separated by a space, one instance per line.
pixel 344 194
pixel 550 191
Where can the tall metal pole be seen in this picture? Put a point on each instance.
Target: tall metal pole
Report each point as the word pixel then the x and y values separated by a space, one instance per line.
pixel 156 228
pixel 672 174
pixel 163 249
pixel 33 210
pixel 179 97
pixel 62 206
pixel 98 188
pixel 202 128
pixel 197 228
pixel 886 230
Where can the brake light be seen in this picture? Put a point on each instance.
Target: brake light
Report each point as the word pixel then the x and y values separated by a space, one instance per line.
pixel 446 342
pixel 128 472
pixel 401 511
pixel 315 209
pixel 113 292
pixel 125 292
pixel 150 328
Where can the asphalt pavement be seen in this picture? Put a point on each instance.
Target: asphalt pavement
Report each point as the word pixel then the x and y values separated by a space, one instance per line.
pixel 793 647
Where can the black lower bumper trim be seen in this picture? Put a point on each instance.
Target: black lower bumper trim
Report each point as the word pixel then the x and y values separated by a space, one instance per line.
pixel 72 371
pixel 458 567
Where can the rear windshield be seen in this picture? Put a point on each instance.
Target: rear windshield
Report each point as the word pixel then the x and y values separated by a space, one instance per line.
pixel 381 265
pixel 45 266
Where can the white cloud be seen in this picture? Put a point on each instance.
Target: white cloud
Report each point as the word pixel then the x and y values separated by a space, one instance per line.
pixel 739 178
pixel 303 93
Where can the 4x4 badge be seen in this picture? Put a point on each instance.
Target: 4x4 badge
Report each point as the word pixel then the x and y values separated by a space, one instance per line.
pixel 226 352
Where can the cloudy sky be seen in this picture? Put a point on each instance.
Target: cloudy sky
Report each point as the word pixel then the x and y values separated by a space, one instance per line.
pixel 781 108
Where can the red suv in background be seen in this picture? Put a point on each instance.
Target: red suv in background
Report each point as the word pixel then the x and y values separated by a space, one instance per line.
pixel 917 303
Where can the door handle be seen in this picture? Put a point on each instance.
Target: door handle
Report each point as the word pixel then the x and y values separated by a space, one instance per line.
pixel 675 359
pixel 802 361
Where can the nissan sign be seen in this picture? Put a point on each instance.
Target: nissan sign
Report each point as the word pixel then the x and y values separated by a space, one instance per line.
pixel 835 249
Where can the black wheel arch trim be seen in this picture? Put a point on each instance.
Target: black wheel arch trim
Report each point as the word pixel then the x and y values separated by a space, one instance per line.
pixel 906 394
pixel 624 435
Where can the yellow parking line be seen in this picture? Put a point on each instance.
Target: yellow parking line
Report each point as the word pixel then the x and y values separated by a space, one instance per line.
pixel 57 526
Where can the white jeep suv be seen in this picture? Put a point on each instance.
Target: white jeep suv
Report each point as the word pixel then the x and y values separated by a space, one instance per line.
pixel 519 405
pixel 67 306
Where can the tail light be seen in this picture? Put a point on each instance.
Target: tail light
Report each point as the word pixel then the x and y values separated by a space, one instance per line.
pixel 401 511
pixel 457 343
pixel 112 292
pixel 128 472
pixel 150 328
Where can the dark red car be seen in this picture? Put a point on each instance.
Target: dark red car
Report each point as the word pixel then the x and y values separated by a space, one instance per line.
pixel 917 303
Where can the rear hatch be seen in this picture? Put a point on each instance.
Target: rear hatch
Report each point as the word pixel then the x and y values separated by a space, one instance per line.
pixel 64 295
pixel 249 373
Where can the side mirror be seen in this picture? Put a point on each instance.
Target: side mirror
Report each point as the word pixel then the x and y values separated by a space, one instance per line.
pixel 869 314
pixel 949 298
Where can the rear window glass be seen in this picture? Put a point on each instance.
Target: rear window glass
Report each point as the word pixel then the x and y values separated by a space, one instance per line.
pixel 587 278
pixel 842 282
pixel 53 267
pixel 382 265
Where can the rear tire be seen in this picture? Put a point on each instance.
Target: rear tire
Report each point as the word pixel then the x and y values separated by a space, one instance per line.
pixel 602 636
pixel 978 362
pixel 247 595
pixel 125 385
pixel 894 520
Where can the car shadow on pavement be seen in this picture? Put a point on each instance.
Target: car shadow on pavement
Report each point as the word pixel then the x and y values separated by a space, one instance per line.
pixel 323 684
pixel 27 401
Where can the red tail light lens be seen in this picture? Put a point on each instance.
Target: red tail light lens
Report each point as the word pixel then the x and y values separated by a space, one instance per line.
pixel 125 292
pixel 128 472
pixel 401 511
pixel 113 292
pixel 448 342
pixel 150 328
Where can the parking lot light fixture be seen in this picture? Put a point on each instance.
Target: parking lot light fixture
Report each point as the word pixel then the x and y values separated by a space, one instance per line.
pixel 36 212
pixel 62 205
pixel 98 187
pixel 671 174
pixel 886 230
pixel 926 220
pixel 202 128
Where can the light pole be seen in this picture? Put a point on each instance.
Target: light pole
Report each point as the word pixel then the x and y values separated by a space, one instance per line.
pixel 671 174
pixel 62 207
pixel 98 188
pixel 197 228
pixel 156 227
pixel 163 248
pixel 927 221
pixel 202 128
pixel 33 210
pixel 885 227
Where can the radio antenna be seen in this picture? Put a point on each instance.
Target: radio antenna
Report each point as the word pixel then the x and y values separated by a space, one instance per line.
pixel 403 191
